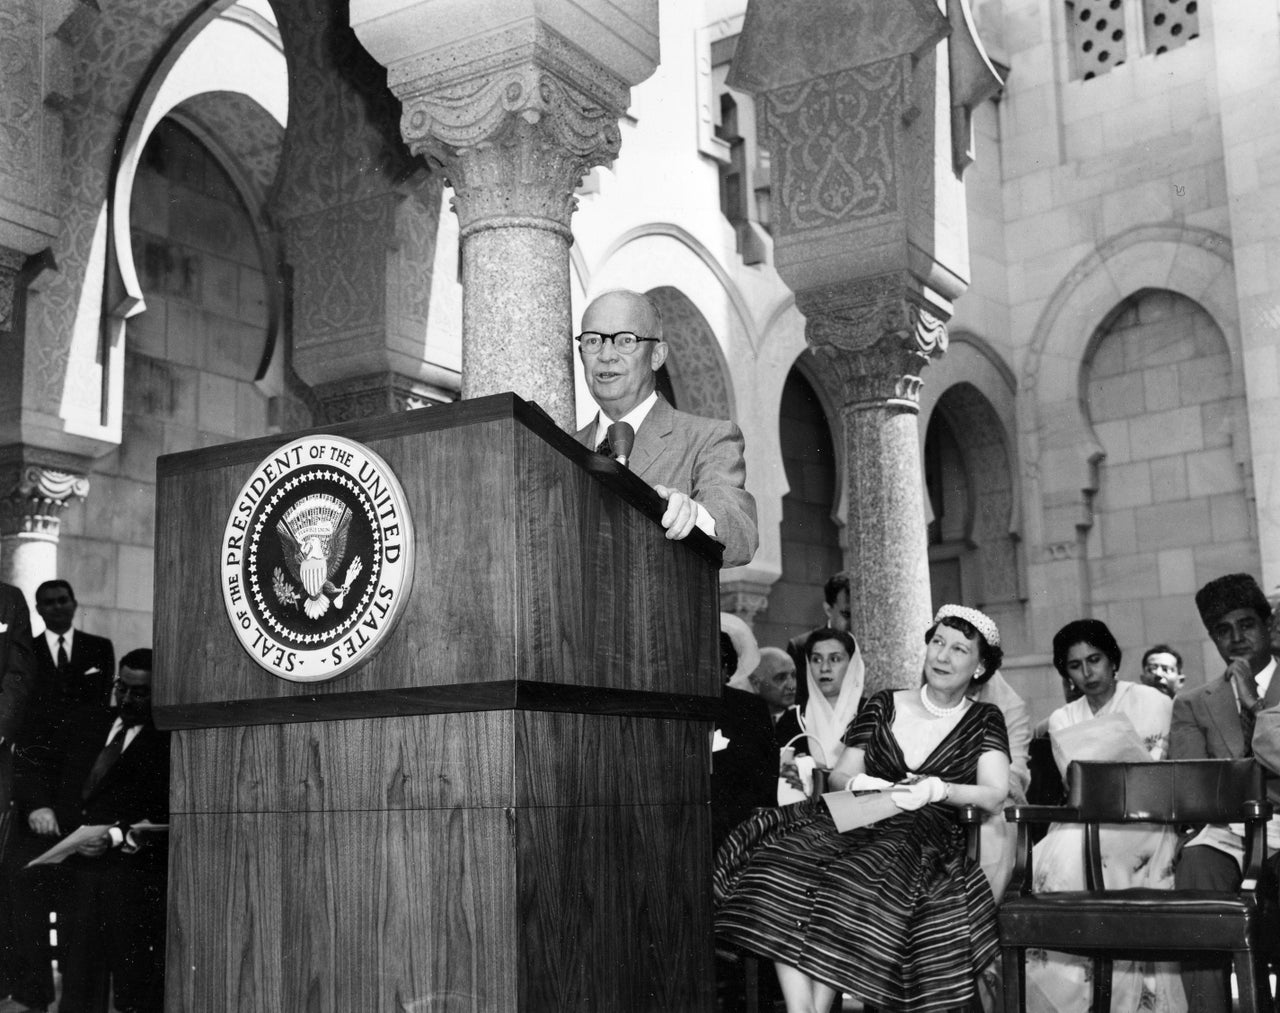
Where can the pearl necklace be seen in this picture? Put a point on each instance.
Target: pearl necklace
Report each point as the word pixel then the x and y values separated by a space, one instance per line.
pixel 940 712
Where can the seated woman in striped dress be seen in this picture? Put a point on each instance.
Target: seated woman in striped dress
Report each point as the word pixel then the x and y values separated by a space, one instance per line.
pixel 893 913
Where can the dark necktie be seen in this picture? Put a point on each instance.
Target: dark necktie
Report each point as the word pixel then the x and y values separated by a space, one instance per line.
pixel 105 761
pixel 1247 720
pixel 604 448
pixel 62 654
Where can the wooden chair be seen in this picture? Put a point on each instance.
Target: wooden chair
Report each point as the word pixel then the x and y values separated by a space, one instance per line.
pixel 1105 925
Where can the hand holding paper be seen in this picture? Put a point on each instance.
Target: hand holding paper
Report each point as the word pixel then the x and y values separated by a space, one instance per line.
pixel 919 794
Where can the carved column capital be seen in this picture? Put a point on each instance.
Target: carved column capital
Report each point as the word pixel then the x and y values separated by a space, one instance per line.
pixel 516 118
pixel 878 335
pixel 33 496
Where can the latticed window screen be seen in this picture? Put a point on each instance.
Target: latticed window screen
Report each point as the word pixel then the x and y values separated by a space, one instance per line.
pixel 1169 24
pixel 1095 30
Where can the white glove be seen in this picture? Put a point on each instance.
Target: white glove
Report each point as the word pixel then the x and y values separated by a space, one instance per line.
pixel 924 791
pixel 865 782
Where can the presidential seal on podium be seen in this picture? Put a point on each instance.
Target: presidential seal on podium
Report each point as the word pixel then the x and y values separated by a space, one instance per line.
pixel 317 558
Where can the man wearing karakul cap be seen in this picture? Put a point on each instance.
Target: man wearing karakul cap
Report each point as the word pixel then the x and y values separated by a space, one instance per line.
pixel 1219 720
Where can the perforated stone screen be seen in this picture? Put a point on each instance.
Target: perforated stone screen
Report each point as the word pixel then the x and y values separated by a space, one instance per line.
pixel 1095 32
pixel 1169 24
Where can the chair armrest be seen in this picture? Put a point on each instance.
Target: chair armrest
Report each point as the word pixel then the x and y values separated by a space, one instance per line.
pixel 1258 809
pixel 971 817
pixel 1256 814
pixel 1042 814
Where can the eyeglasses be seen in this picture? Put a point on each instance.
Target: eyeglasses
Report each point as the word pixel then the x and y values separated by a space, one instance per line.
pixel 124 689
pixel 624 341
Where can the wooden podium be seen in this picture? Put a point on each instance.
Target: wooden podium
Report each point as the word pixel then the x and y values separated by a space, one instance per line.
pixel 506 807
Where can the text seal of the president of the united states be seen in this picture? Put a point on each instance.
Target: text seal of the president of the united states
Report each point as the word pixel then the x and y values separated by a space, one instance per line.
pixel 317 558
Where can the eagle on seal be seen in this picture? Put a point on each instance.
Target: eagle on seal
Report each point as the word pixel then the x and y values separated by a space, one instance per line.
pixel 313 537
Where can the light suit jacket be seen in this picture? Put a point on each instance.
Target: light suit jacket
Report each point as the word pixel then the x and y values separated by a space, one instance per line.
pixel 701 457
pixel 1206 725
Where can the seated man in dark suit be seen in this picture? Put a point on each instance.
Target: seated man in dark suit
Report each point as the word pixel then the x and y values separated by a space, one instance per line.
pixel 774 680
pixel 744 757
pixel 113 777
pixel 693 463
pixel 75 670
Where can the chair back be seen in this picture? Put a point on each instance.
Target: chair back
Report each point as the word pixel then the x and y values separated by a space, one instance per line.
pixel 1164 791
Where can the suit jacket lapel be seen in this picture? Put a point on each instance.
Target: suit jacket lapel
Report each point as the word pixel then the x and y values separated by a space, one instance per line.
pixel 1224 712
pixel 585 434
pixel 651 436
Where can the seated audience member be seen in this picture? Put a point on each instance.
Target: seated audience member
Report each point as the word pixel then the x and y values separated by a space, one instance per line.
pixel 774 681
pixel 1111 720
pixel 744 757
pixel 1266 747
pixel 744 770
pixel 892 912
pixel 1162 670
pixel 1216 721
pixel 74 669
pixel 835 603
pixel 836 677
pixel 115 775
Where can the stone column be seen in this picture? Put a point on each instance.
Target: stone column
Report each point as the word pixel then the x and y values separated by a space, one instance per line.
pixel 32 498
pixel 516 109
pixel 865 106
pixel 876 337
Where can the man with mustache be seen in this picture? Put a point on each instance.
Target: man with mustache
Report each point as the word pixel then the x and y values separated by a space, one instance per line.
pixel 1218 721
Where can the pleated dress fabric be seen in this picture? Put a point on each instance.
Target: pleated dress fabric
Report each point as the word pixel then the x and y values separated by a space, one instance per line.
pixel 893 913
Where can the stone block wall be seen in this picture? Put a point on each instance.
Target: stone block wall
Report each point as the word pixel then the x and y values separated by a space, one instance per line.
pixel 190 364
pixel 1172 510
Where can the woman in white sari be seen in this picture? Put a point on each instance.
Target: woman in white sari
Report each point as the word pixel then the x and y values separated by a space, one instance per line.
pixel 1112 720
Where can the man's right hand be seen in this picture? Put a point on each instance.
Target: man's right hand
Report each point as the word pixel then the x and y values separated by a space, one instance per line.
pixel 43 822
pixel 1240 672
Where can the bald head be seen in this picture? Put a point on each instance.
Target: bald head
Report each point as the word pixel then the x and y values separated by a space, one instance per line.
pixel 775 679
pixel 618 381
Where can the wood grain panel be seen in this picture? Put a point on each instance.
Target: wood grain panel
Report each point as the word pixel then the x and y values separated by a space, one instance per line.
pixel 224 931
pixel 435 700
pixel 226 770
pixel 400 911
pixel 428 762
pixel 581 759
pixel 460 619
pixel 599 582
pixel 615 908
pixel 424 762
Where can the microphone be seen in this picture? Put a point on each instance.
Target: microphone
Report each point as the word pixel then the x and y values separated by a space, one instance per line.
pixel 621 439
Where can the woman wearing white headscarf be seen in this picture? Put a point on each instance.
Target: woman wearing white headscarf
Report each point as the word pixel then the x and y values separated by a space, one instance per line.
pixel 836 678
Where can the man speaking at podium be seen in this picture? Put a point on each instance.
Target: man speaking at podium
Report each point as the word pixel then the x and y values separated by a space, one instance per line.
pixel 693 463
